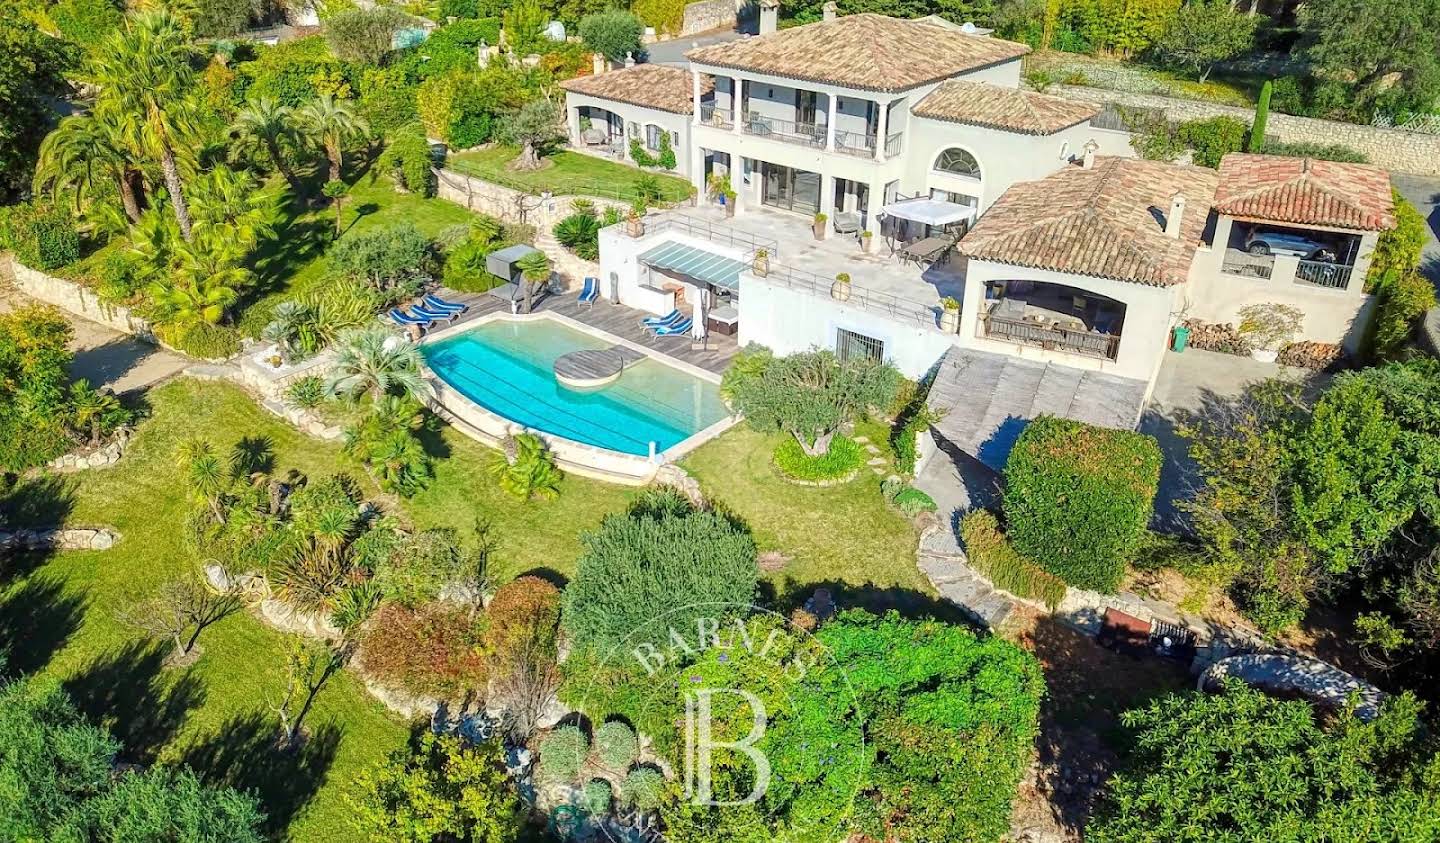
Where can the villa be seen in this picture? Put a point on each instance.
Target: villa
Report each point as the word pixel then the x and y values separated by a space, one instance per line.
pixel 863 175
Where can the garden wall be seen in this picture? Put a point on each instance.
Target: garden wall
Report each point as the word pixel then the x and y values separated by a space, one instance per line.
pixel 507 204
pixel 78 299
pixel 1395 150
pixel 707 15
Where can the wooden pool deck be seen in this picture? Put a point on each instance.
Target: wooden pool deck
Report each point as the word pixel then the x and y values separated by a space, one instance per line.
pixel 714 355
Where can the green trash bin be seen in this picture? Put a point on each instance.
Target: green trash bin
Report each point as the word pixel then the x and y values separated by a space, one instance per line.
pixel 1180 337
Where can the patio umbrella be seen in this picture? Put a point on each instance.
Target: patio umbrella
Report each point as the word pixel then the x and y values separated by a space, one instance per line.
pixel 929 211
pixel 697 328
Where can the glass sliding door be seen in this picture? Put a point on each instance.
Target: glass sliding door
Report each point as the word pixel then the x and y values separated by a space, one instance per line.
pixel 790 189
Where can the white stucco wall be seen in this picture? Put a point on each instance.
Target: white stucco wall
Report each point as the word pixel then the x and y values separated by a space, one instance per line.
pixel 1004 157
pixel 639 115
pixel 639 286
pixel 789 320
pixel 1150 313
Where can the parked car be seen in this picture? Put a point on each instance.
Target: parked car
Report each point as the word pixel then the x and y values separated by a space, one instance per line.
pixel 1271 242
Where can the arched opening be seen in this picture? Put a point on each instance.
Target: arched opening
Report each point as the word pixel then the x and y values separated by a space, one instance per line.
pixel 957 162
pixel 1054 317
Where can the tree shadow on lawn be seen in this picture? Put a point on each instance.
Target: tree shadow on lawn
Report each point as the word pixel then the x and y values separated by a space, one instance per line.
pixel 129 691
pixel 37 617
pixel 294 245
pixel 789 595
pixel 242 753
pixel 37 503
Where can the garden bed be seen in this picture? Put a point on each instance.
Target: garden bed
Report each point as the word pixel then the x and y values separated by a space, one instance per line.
pixel 841 464
pixel 566 173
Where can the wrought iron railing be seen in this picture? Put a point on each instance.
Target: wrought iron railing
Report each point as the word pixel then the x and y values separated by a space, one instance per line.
pixel 884 304
pixel 712 115
pixel 894 143
pixel 714 232
pixel 854 143
pixel 1335 276
pixel 1052 337
pixel 805 134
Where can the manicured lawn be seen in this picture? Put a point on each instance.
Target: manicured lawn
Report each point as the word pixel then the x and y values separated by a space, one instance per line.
pixel 216 715
pixel 841 534
pixel 565 173
pixel 294 262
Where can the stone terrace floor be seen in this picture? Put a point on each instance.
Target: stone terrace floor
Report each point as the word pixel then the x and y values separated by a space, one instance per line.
pixel 624 322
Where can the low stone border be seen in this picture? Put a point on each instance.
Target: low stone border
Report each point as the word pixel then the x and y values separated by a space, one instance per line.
pixel 102 457
pixel 100 538
pixel 834 481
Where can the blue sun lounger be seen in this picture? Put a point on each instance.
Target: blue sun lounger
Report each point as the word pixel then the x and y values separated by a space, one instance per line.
pixel 674 329
pixel 434 315
pixel 590 292
pixel 435 303
pixel 653 322
pixel 405 320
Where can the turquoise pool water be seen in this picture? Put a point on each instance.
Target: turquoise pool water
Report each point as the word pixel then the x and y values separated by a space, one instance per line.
pixel 507 368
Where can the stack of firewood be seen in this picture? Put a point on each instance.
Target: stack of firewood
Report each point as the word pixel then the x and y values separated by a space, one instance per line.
pixel 1312 355
pixel 1217 336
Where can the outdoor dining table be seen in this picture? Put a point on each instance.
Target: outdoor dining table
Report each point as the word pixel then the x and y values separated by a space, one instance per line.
pixel 928 249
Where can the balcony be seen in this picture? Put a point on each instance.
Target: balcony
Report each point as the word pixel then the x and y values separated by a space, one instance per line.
pixel 1282 270
pixel 720 118
pixel 1333 276
pixel 1050 337
pixel 802 134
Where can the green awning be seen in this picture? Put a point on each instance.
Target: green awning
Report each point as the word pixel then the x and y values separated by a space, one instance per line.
pixel 694 262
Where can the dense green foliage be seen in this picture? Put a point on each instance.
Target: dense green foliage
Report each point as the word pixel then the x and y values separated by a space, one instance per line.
pixel 1403 298
pixel 394 261
pixel 34 366
pixel 57 774
pixel 809 394
pixel 443 789
pixel 990 553
pixel 614 33
pixel 841 461
pixel 32 69
pixel 616 745
pixel 1256 143
pixel 1399 249
pixel 659 566
pixel 410 159
pixel 42 235
pixel 580 233
pixel 1386 53
pixel 1213 138
pixel 365 36
pixel 525 468
pixel 562 751
pixel 1241 766
pixel 1078 498
pixel 1203 33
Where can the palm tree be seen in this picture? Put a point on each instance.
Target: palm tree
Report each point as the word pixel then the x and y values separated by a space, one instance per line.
pixel 232 200
pixel 148 90
pixel 205 472
pixel 207 279
pixel 90 408
pixel 333 123
pixel 373 361
pixel 525 468
pixel 80 154
pixel 270 126
pixel 335 191
pixel 535 268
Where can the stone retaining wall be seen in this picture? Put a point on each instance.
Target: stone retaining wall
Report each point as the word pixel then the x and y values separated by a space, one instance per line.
pixel 1395 150
pixel 102 457
pixel 79 300
pixel 707 15
pixel 75 539
pixel 509 205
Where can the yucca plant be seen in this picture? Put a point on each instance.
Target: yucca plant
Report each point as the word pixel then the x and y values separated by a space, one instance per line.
pixel 526 469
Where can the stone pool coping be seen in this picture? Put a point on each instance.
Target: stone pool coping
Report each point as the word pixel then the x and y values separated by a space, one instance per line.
pixel 489 427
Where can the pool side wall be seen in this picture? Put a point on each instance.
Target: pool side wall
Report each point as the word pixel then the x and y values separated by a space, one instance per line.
pixel 490 428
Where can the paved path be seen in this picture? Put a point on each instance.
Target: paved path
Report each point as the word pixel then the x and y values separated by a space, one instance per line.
pixel 102 356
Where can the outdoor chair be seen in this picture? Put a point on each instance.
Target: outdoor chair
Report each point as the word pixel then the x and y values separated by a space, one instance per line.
pixel 847 222
pixel 674 329
pixel 434 302
pixel 434 315
pixel 590 291
pixel 651 322
pixel 405 320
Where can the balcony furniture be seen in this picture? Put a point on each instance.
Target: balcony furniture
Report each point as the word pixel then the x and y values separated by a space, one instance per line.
pixel 595 137
pixel 1051 336
pixel 930 249
pixel 1010 308
pixel 724 320
pixel 847 222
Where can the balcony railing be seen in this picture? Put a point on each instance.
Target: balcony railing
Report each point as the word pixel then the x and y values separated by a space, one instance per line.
pixel 804 134
pixel 854 143
pixel 893 144
pixel 1243 263
pixel 885 304
pixel 1334 276
pixel 1053 338
pixel 712 115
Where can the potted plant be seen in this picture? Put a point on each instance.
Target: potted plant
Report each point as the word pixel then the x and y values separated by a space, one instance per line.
pixel 840 290
pixel 717 186
pixel 730 197
pixel 1268 327
pixel 635 220
pixel 819 226
pixel 762 262
pixel 949 315
pixel 867 241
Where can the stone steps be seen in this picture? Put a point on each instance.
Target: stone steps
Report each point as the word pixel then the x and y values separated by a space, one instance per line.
pixel 960 585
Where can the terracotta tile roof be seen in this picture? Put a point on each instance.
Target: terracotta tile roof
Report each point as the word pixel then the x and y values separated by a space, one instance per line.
pixel 983 104
pixel 1107 221
pixel 650 85
pixel 1305 191
pixel 867 51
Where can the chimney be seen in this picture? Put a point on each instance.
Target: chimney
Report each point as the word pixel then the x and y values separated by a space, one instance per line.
pixel 829 10
pixel 1177 212
pixel 769 16
pixel 1091 147
pixel 629 59
pixel 597 63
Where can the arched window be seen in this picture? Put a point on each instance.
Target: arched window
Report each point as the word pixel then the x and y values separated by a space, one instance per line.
pixel 959 162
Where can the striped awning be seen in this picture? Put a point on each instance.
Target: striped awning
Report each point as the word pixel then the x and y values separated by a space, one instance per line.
pixel 694 262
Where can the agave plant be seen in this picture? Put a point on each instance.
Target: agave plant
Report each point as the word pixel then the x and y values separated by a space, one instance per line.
pixel 525 468
pixel 580 233
pixel 373 361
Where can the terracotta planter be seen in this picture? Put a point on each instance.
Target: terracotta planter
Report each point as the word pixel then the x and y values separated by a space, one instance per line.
pixel 762 266
pixel 819 229
pixel 867 244
pixel 840 291
pixel 949 321
pixel 635 227
pixel 730 208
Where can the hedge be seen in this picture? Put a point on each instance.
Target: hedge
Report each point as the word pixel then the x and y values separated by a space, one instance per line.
pixel 43 236
pixel 991 554
pixel 1078 497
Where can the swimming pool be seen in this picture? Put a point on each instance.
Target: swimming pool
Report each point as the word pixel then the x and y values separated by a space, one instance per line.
pixel 506 367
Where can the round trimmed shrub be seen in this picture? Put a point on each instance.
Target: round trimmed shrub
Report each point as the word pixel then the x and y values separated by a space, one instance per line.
pixel 644 788
pixel 596 796
pixel 616 744
pixel 561 754
pixel 1078 497
pixel 844 458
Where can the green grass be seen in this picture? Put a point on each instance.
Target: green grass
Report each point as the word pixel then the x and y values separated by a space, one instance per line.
pixel 568 173
pixel 836 534
pixel 294 262
pixel 216 715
